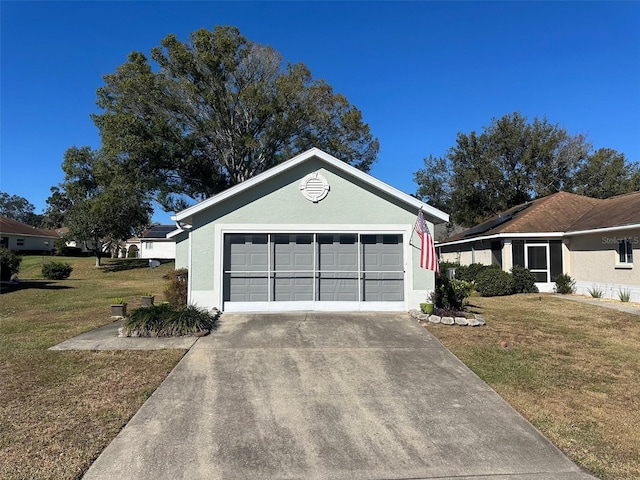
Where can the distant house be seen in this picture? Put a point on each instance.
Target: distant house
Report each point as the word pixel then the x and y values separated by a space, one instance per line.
pixel 154 243
pixel 20 237
pixel 592 240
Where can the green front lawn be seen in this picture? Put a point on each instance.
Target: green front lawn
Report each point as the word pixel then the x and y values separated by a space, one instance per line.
pixel 58 410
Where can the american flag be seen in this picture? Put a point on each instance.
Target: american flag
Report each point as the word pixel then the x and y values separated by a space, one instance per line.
pixel 428 257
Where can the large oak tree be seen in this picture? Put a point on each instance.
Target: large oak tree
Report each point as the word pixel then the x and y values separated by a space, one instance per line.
pixel 211 112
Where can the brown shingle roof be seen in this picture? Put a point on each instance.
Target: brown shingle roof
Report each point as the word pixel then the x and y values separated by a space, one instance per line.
pixel 611 212
pixel 10 226
pixel 560 212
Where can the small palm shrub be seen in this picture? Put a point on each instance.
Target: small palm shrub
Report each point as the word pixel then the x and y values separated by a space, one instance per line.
pixel 523 280
pixel 564 284
pixel 595 292
pixel 9 264
pixel 175 291
pixel 56 270
pixel 624 295
pixel 165 320
pixel 493 282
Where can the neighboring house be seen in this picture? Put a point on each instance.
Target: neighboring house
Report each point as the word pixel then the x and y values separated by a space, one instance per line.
pixel 20 237
pixel 312 233
pixel 154 243
pixel 592 240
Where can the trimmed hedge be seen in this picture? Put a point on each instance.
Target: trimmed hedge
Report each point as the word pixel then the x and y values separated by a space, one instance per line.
pixel 56 270
pixel 523 280
pixel 493 282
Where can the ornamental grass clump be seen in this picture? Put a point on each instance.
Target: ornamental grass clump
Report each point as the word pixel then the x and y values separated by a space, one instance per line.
pixel 165 320
pixel 565 284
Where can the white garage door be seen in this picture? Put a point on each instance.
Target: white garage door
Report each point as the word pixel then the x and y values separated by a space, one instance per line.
pixel 304 271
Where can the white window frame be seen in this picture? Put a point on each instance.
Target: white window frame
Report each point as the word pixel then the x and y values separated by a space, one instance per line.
pixel 547 271
pixel 627 257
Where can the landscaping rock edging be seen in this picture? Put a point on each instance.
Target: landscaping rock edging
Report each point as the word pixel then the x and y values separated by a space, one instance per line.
pixel 477 321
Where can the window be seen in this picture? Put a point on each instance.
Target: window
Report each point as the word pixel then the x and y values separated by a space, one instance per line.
pixel 626 251
pixel 517 251
pixel 20 242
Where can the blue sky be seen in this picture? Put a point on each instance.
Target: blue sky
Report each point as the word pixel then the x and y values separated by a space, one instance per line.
pixel 419 71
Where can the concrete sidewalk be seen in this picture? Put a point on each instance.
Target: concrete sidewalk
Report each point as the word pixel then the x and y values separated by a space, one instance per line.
pixel 106 338
pixel 327 396
pixel 601 302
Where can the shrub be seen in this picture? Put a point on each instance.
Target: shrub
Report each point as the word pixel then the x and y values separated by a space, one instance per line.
pixel 624 295
pixel 493 282
pixel 523 280
pixel 175 291
pixel 132 253
pixel 469 273
pixel 461 291
pixel 9 264
pixel 595 292
pixel 56 270
pixel 166 320
pixel 564 284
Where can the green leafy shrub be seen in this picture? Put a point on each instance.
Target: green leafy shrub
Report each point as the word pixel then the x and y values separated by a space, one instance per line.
pixel 56 270
pixel 119 301
pixel 469 273
pixel 493 282
pixel 461 290
pixel 165 320
pixel 175 291
pixel 450 294
pixel 523 280
pixel 9 264
pixel 595 292
pixel 132 253
pixel 564 284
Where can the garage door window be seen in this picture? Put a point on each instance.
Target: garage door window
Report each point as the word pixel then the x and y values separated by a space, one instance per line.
pixel 328 267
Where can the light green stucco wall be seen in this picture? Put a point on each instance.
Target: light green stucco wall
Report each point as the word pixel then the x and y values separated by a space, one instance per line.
pixel 182 250
pixel 279 202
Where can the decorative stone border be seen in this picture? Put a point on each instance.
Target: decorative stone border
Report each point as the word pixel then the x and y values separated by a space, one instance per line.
pixel 478 321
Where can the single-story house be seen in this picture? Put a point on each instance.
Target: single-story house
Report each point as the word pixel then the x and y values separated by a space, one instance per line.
pixel 592 240
pixel 154 243
pixel 312 233
pixel 20 237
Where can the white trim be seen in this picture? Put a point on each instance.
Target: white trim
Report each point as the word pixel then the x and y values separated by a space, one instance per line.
pixel 504 235
pixel 298 159
pixel 604 229
pixel 190 298
pixel 374 229
pixel 242 307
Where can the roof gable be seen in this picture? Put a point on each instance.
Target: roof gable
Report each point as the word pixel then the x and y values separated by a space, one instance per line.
pixel 433 213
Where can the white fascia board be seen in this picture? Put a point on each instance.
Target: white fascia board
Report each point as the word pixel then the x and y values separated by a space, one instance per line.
pixel 313 152
pixel 503 235
pixel 604 229
pixel 175 232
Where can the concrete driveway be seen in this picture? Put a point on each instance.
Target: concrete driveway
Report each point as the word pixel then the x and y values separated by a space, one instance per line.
pixel 327 396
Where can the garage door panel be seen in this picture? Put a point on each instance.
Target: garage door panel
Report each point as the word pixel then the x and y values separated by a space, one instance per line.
pixel 383 287
pixel 246 287
pixel 292 287
pixel 337 287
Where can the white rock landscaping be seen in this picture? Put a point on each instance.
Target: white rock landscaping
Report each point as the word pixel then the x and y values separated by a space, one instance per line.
pixel 477 321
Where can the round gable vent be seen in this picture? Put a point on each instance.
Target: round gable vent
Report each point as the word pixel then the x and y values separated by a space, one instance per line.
pixel 314 187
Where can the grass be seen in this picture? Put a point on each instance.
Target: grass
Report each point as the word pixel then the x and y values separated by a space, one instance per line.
pixel 58 410
pixel 571 369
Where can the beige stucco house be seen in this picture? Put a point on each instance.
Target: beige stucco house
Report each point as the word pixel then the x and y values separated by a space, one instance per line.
pixel 592 240
pixel 154 243
pixel 20 237
pixel 312 233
